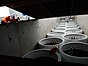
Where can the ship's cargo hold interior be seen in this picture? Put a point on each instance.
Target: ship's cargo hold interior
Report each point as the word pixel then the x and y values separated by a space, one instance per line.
pixel 43 32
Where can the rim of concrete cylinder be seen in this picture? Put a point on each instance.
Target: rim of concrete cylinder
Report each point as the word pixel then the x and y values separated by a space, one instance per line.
pixel 62 23
pixel 60 28
pixel 71 22
pixel 60 49
pixel 32 51
pixel 38 50
pixel 68 25
pixel 57 30
pixel 71 19
pixel 44 39
pixel 72 27
pixel 54 34
pixel 63 19
pixel 84 36
pixel 56 27
pixel 75 30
